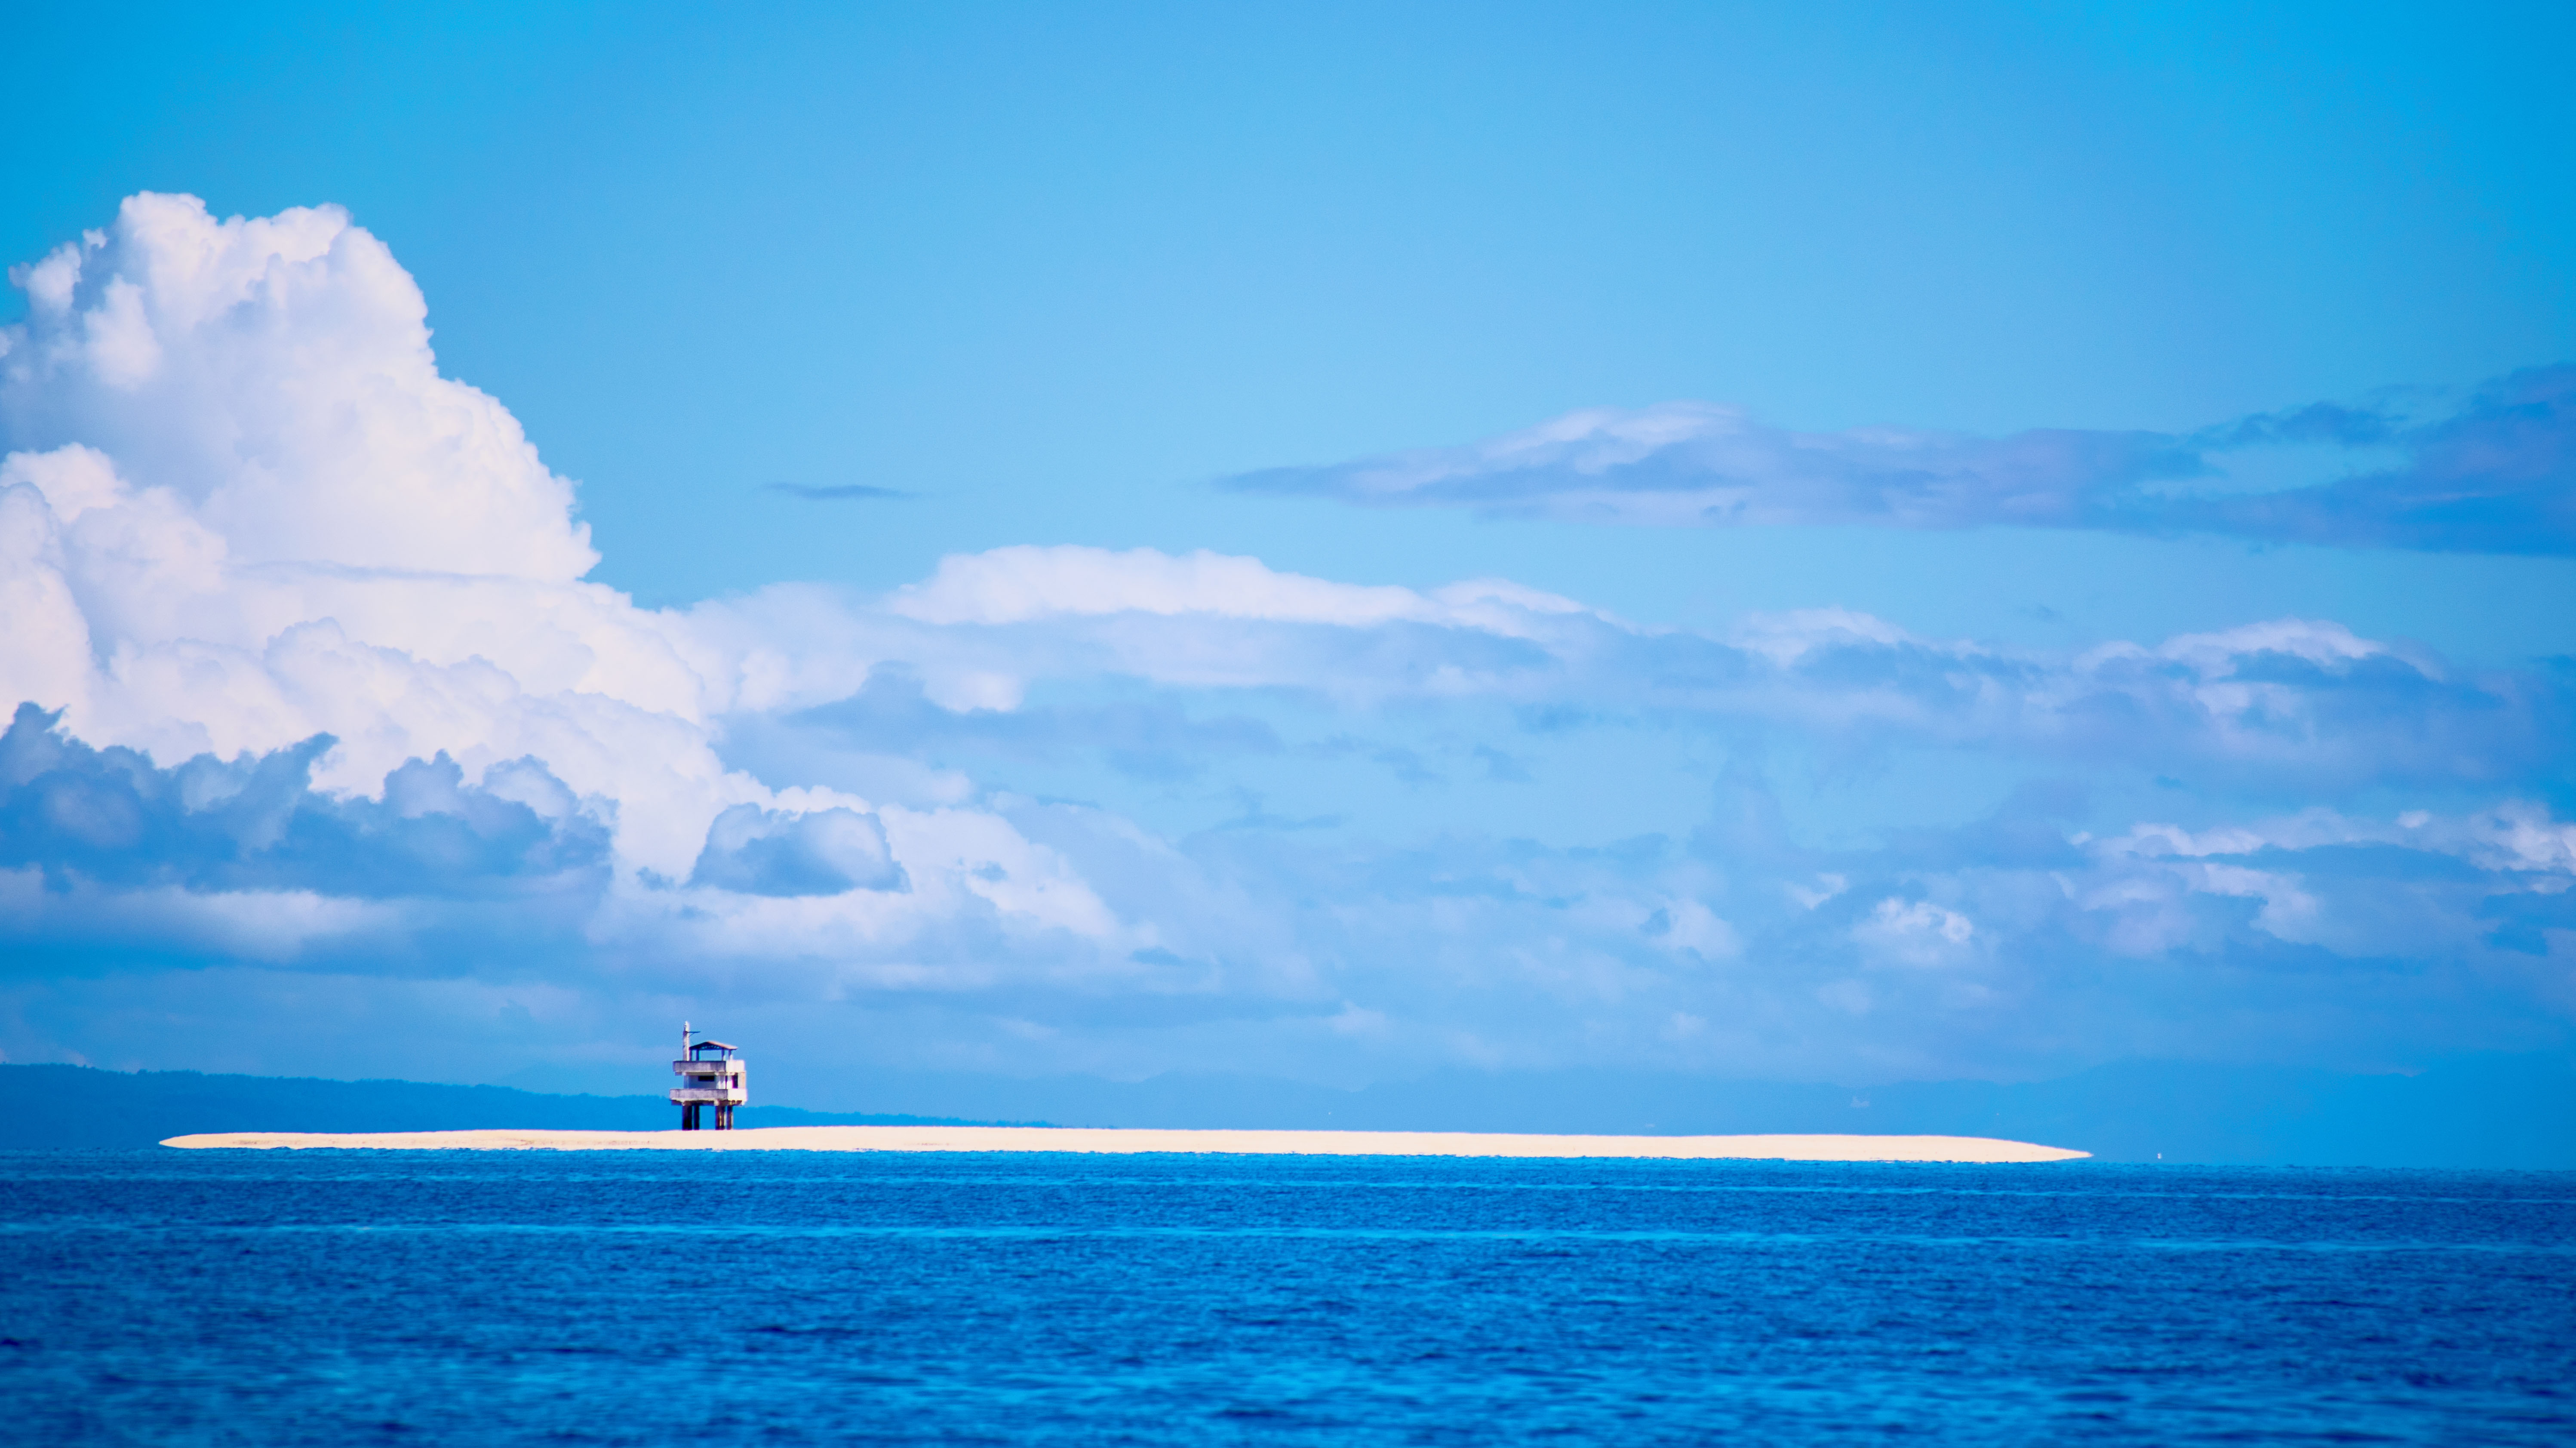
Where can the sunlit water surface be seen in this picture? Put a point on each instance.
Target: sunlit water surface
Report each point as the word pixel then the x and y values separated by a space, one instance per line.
pixel 166 1297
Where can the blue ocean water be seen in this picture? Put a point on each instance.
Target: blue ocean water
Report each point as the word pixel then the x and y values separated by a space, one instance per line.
pixel 168 1297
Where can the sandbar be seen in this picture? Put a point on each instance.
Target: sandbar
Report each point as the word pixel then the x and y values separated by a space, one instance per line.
pixel 1127 1140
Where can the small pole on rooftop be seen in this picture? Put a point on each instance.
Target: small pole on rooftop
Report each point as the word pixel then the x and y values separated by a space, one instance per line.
pixel 688 1109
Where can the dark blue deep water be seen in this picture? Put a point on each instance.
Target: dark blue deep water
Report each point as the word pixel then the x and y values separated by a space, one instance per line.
pixel 654 1298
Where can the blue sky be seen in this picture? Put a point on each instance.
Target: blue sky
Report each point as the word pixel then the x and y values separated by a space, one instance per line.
pixel 1816 542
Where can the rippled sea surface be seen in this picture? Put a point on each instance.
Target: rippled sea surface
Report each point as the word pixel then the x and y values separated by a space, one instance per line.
pixel 170 1297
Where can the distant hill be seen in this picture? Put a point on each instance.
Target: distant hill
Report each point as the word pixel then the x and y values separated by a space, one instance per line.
pixel 81 1108
pixel 2472 1111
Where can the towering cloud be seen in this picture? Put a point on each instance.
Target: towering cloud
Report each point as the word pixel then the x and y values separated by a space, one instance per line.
pixel 273 379
pixel 245 521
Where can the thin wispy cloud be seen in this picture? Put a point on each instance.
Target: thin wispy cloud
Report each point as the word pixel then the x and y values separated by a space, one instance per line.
pixel 2495 473
pixel 837 493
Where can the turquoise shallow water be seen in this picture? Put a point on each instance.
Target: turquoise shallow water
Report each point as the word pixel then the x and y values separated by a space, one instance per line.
pixel 650 1298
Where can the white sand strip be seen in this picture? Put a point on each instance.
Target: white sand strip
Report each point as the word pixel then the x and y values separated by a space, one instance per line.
pixel 1105 1139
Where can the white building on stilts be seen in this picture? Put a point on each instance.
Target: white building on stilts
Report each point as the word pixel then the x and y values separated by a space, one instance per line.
pixel 711 1074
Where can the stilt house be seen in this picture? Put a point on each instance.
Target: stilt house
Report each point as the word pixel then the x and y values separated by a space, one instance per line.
pixel 711 1074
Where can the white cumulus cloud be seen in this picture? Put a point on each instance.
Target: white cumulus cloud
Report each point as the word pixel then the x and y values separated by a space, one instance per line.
pixel 240 507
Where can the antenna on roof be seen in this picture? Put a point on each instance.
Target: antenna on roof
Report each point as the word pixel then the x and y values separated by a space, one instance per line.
pixel 685 1033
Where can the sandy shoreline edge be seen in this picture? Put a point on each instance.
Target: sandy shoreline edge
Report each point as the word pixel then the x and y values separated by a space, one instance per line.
pixel 1126 1140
